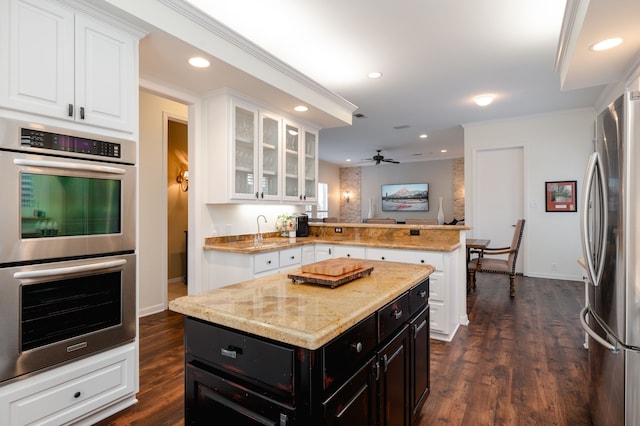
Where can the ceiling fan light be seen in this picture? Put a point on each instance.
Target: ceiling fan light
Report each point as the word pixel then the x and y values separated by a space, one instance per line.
pixel 483 100
pixel 609 43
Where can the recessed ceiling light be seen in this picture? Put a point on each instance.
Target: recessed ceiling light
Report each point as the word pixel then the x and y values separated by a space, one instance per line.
pixel 443 150
pixel 483 100
pixel 375 74
pixel 301 108
pixel 424 136
pixel 348 160
pixel 606 44
pixel 199 62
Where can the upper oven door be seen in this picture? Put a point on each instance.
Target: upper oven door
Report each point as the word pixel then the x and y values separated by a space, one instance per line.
pixel 55 207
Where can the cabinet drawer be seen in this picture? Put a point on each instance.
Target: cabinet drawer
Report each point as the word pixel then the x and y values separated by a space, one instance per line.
pixel 345 353
pixel 255 360
pixel 392 316
pixel 438 317
pixel 349 251
pixel 111 379
pixel 418 296
pixel 265 262
pixel 436 287
pixel 290 257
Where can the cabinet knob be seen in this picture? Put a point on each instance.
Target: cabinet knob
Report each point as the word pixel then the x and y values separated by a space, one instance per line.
pixel 422 294
pixel 397 313
pixel 293 257
pixel 348 254
pixel 268 262
pixel 382 257
pixel 77 395
pixel 357 346
pixel 421 260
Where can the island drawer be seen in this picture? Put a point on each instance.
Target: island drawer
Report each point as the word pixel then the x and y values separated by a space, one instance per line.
pixel 345 353
pixel 392 316
pixel 241 355
pixel 418 296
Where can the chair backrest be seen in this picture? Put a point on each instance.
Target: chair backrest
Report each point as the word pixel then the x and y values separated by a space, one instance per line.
pixel 515 245
pixel 421 221
pixel 382 221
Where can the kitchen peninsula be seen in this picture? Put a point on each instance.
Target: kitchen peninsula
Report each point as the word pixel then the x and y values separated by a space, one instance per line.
pixel 285 353
pixel 236 258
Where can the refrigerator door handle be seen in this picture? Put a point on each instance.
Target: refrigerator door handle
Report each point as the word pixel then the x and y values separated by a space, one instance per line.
pixel 593 166
pixel 583 321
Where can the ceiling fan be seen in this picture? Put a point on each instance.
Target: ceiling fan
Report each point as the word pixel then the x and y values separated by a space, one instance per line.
pixel 379 158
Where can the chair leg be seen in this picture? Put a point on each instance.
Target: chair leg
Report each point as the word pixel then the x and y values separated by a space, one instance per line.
pixel 512 290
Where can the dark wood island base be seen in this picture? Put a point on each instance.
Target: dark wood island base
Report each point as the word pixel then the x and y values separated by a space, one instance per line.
pixel 375 373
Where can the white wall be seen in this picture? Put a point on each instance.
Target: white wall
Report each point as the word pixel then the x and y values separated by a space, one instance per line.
pixel 152 226
pixel 329 173
pixel 438 174
pixel 556 147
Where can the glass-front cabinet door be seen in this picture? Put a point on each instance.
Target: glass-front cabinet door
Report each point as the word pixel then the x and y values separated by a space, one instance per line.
pixel 245 152
pixel 291 162
pixel 310 165
pixel 269 161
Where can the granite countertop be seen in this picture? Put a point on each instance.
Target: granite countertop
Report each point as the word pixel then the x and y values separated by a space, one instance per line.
pixel 304 315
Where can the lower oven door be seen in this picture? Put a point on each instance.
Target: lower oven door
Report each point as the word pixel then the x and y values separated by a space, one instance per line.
pixel 56 312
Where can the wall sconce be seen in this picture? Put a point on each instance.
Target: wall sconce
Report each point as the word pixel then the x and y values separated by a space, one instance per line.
pixel 183 179
pixel 347 196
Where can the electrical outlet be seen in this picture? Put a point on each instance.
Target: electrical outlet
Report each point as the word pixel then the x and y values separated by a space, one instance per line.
pixel 338 230
pixel 414 232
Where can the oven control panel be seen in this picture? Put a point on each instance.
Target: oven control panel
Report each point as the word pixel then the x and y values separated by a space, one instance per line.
pixel 58 142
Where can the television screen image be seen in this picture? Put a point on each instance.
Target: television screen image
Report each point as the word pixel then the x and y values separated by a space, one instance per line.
pixel 405 197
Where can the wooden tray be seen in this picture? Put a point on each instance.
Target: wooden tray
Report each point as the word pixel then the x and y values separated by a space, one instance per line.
pixel 328 280
pixel 333 267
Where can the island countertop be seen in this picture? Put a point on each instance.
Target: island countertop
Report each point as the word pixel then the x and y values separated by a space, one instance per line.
pixel 303 315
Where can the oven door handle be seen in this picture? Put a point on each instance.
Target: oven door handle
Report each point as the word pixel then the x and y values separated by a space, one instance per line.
pixel 69 269
pixel 68 166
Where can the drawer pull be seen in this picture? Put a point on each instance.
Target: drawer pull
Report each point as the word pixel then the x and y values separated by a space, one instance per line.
pixel 232 352
pixel 268 262
pixel 382 257
pixel 293 257
pixel 421 260
pixel 357 346
pixel 422 294
pixel 397 313
pixel 77 395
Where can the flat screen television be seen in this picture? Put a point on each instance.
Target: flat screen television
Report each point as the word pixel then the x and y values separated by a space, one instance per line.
pixel 405 197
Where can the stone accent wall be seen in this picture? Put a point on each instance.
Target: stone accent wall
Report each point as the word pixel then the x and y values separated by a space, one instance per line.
pixel 350 181
pixel 458 188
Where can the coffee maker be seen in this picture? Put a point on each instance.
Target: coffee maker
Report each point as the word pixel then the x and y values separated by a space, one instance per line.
pixel 302 224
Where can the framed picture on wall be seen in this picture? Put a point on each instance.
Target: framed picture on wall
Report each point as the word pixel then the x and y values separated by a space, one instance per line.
pixel 561 196
pixel 405 197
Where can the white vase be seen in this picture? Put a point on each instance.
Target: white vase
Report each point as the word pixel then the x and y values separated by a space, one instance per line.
pixel 370 214
pixel 440 213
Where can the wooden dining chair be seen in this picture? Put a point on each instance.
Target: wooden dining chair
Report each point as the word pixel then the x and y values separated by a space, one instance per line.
pixel 484 262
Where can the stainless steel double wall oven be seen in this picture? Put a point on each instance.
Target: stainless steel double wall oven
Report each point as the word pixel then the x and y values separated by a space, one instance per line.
pixel 67 246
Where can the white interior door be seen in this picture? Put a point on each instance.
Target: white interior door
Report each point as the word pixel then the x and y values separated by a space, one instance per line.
pixel 499 196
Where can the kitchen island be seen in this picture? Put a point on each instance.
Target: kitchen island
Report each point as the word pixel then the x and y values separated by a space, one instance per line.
pixel 236 258
pixel 283 353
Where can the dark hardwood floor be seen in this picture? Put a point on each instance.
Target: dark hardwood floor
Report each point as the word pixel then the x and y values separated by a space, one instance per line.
pixel 519 362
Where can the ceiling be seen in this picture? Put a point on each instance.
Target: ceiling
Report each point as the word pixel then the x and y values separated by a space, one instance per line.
pixel 435 56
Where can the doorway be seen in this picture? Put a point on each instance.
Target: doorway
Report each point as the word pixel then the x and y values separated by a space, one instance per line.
pixel 499 196
pixel 177 207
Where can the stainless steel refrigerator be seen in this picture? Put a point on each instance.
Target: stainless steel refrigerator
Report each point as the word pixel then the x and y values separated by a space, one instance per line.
pixel 610 217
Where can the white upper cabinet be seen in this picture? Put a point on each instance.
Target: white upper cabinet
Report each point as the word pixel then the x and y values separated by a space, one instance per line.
pixel 68 65
pixel 300 163
pixel 257 155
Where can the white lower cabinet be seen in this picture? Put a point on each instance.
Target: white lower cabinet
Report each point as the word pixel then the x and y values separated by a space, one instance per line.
pixel 323 252
pixel 81 392
pixel 349 251
pixel 442 286
pixel 230 268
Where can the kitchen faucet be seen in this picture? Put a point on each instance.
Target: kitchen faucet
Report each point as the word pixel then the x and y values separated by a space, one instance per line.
pixel 258 240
